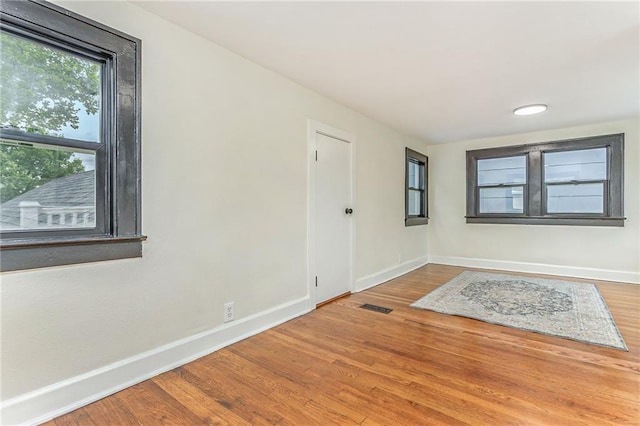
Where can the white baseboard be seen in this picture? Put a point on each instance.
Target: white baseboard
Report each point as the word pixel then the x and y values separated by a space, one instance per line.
pixel 389 274
pixel 540 268
pixel 60 398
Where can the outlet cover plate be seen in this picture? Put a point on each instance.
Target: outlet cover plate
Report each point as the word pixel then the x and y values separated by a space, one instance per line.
pixel 228 312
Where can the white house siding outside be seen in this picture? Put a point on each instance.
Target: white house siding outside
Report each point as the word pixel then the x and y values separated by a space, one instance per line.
pixel 66 202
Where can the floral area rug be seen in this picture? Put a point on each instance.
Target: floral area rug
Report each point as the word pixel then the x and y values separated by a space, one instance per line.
pixel 566 309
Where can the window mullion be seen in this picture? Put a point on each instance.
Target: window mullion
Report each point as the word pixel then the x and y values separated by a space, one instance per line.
pixel 535 188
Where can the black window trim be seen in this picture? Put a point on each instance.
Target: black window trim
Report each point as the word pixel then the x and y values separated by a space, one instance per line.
pixel 118 170
pixel 535 194
pixel 413 220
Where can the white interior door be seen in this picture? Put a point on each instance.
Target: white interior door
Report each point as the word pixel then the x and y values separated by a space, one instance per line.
pixel 333 217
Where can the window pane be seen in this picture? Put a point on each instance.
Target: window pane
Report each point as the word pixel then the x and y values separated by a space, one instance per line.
pixel 507 171
pixel 414 175
pixel 48 91
pixel 501 200
pixel 585 164
pixel 415 206
pixel 582 198
pixel 43 188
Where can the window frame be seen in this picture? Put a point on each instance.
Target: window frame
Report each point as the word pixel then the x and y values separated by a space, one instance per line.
pixel 100 148
pixel 412 156
pixel 535 197
pixel 525 186
pixel 118 231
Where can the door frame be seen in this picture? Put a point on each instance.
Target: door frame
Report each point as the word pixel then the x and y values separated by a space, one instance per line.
pixel 313 129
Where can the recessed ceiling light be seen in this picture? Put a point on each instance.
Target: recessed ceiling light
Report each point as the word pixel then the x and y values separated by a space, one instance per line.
pixel 530 109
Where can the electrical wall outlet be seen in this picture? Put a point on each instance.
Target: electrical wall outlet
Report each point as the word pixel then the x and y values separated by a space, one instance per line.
pixel 228 312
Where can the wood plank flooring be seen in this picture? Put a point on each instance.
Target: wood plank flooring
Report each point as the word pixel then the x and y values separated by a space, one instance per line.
pixel 344 365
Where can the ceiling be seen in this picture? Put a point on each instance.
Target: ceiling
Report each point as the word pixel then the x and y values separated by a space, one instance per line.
pixel 443 71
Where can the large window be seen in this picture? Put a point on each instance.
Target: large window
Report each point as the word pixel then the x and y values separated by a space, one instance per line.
pixel 416 188
pixel 575 182
pixel 69 139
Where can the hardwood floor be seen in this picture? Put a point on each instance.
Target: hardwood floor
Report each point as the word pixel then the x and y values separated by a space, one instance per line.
pixel 345 365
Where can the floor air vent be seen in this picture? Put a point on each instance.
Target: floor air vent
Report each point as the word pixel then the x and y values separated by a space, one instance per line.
pixel 376 308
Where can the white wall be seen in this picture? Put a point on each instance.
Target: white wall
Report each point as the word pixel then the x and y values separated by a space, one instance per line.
pixel 594 252
pixel 224 207
pixel 382 238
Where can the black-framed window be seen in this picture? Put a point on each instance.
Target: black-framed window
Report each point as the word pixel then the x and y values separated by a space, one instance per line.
pixel 570 182
pixel 416 171
pixel 69 139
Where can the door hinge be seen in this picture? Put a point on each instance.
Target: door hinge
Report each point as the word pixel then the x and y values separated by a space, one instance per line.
pixel 316 281
pixel 316 155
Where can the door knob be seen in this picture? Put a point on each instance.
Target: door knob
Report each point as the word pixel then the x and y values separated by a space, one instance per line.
pixel 348 210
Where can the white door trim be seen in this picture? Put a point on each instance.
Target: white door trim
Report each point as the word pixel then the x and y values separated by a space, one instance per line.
pixel 314 128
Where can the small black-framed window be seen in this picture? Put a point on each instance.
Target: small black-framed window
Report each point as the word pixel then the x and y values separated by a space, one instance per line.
pixel 69 139
pixel 416 172
pixel 569 182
